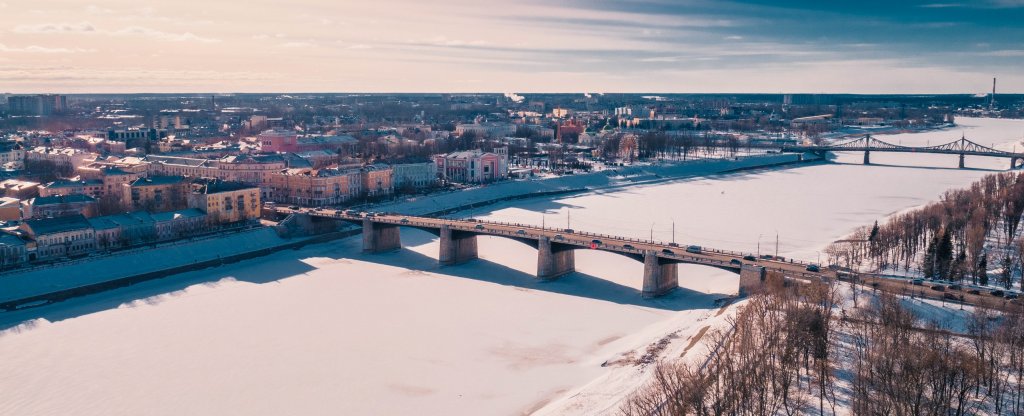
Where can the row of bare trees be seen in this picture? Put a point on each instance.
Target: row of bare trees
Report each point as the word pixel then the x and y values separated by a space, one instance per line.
pixel 901 368
pixel 946 239
pixel 795 351
pixel 777 358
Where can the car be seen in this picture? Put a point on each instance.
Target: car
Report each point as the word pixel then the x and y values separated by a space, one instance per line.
pixel 749 257
pixel 766 257
pixel 673 244
pixel 736 262
pixel 949 296
pixel 597 242
pixel 404 221
pixel 350 212
pixel 1012 296
pixel 559 237
pixel 998 293
pixel 479 226
pixel 974 292
pixel 667 251
pixel 521 232
pixel 917 282
pixel 813 268
pixel 693 249
pixel 939 288
pixel 628 247
pixel 955 287
pixel 294 207
pixel 570 230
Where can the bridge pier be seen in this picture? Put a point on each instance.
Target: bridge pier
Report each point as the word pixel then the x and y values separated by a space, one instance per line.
pixel 752 279
pixel 457 247
pixel 554 259
pixel 1013 163
pixel 378 238
pixel 867 157
pixel 961 161
pixel 660 276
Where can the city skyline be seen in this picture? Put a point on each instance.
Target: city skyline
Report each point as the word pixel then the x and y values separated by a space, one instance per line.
pixel 465 46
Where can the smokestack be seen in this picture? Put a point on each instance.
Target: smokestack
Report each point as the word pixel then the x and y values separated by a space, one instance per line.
pixel 992 101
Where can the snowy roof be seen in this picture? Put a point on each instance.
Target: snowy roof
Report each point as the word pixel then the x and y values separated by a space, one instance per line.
pixel 44 226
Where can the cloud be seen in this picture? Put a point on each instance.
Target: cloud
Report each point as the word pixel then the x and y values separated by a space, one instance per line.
pixel 49 28
pixel 166 36
pixel 42 49
pixel 297 44
pixel 360 46
pixel 88 28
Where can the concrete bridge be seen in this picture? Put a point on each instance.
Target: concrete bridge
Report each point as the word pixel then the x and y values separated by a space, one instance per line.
pixel 556 248
pixel 868 144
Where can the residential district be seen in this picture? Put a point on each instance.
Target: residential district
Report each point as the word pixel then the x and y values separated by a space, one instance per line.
pixel 84 175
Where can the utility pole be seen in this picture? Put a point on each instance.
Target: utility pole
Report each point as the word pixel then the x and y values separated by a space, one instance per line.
pixel 759 245
pixel 652 232
pixel 543 220
pixel 776 244
pixel 673 232
pixel 568 219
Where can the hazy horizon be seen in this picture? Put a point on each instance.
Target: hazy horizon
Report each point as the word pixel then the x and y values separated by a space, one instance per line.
pixel 463 46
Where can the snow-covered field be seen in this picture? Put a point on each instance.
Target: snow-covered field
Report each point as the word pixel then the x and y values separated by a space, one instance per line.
pixel 328 330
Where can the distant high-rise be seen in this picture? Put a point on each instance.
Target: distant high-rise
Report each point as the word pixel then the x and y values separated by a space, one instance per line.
pixel 37 105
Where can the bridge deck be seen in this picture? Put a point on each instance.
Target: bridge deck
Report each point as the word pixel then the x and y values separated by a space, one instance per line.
pixel 583 240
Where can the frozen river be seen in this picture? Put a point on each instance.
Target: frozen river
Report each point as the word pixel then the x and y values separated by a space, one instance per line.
pixel 327 330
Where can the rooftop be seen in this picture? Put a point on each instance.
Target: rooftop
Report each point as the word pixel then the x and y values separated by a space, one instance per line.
pixel 61 199
pixel 57 225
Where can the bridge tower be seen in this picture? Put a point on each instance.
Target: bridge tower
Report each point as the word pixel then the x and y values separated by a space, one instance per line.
pixel 867 149
pixel 660 275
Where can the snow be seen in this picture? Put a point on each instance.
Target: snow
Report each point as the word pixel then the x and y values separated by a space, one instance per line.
pixel 38 281
pixel 329 330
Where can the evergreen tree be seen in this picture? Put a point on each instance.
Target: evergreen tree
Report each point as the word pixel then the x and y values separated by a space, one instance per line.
pixel 982 271
pixel 928 263
pixel 944 254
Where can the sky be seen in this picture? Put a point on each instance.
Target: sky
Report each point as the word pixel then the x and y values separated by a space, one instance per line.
pixel 866 46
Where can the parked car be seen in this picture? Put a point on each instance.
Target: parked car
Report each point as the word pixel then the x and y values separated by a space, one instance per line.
pixel 917 282
pixel 749 257
pixel 736 262
pixel 949 296
pixel 813 268
pixel 693 249
pixel 939 288
pixel 955 287
pixel 998 293
pixel 1012 295
pixel 974 292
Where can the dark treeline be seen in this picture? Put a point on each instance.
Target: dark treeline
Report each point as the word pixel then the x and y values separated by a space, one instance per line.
pixel 946 239
pixel 794 352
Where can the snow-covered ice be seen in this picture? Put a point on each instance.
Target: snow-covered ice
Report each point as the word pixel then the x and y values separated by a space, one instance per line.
pixel 329 330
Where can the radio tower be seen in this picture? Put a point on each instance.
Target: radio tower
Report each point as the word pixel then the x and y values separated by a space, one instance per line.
pixel 992 100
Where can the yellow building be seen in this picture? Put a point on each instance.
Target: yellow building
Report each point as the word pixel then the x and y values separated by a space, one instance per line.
pixel 226 202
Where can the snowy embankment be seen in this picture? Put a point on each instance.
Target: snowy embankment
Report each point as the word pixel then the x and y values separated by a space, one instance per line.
pixel 34 283
pixel 621 177
pixel 40 281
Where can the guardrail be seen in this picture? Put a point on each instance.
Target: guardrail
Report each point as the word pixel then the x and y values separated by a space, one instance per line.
pixel 663 249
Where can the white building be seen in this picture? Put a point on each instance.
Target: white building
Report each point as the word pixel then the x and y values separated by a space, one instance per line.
pixel 416 175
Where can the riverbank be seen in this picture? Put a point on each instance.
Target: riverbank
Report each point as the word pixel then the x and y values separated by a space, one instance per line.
pixel 43 286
